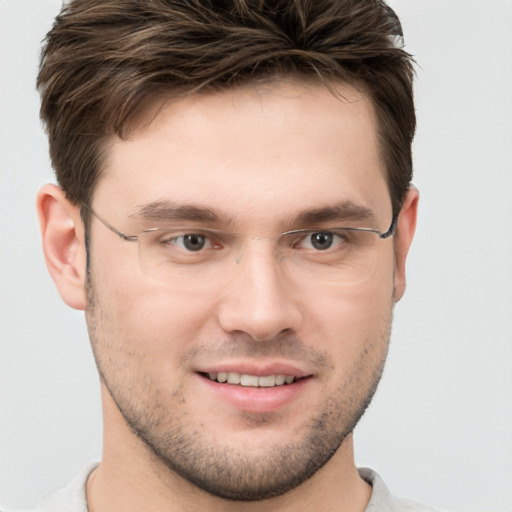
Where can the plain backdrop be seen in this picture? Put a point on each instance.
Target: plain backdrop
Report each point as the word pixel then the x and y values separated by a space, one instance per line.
pixel 439 429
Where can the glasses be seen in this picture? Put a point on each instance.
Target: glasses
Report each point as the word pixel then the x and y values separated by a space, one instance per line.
pixel 194 255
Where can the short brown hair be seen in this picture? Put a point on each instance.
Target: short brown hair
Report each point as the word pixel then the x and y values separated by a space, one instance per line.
pixel 103 59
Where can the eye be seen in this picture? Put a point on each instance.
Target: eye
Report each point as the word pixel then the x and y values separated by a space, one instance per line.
pixel 320 240
pixel 191 242
pixel 180 246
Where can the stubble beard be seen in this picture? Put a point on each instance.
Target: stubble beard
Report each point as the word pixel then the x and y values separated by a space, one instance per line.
pixel 226 471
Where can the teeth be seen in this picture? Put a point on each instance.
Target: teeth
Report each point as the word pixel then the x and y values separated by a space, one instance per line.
pixel 243 379
pixel 233 378
pixel 267 381
pixel 249 380
pixel 280 380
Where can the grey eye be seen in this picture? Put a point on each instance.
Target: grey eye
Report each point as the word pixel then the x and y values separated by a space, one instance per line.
pixel 193 242
pixel 322 240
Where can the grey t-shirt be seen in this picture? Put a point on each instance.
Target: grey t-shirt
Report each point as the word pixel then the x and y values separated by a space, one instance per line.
pixel 72 497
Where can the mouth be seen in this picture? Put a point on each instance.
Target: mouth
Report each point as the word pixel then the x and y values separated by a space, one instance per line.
pixel 253 381
pixel 255 388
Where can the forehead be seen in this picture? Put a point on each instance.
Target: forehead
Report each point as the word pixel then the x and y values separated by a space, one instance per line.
pixel 262 150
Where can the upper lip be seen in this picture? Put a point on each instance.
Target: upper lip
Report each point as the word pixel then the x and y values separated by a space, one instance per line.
pixel 259 370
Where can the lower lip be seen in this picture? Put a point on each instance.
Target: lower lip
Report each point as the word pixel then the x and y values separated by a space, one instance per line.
pixel 257 399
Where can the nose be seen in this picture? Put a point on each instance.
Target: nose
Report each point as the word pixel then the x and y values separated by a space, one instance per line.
pixel 258 299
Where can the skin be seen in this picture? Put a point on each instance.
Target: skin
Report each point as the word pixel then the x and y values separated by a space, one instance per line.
pixel 259 156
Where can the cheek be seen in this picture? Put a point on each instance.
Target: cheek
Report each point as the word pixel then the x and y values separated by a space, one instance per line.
pixel 354 306
pixel 147 325
pixel 354 319
pixel 140 321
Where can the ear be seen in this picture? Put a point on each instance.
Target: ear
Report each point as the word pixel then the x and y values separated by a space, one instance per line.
pixel 403 238
pixel 63 244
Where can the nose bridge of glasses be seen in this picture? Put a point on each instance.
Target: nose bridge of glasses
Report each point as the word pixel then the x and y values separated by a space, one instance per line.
pixel 246 247
pixel 262 237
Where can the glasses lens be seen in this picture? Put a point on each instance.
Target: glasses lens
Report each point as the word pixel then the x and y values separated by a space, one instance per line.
pixel 334 256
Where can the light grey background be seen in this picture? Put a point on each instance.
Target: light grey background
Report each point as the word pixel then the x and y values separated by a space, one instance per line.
pixel 439 427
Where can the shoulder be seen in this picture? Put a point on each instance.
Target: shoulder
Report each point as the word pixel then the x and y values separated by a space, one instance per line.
pixel 70 498
pixel 383 501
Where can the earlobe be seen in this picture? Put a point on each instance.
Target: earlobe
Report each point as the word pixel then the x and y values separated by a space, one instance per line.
pixel 403 238
pixel 63 244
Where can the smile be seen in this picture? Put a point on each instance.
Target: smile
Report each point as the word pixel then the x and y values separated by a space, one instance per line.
pixel 242 379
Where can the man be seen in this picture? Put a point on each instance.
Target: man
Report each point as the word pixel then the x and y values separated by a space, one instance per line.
pixel 234 215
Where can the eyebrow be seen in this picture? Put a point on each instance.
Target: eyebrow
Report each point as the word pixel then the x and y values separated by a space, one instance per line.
pixel 165 210
pixel 345 211
pixel 158 211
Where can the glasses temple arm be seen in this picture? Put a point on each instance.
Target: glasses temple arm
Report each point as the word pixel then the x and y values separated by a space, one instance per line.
pixel 129 238
pixel 392 228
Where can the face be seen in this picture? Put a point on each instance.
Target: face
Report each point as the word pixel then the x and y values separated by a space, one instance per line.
pixel 258 162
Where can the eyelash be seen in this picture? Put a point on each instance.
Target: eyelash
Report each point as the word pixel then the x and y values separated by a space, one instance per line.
pixel 179 240
pixel 183 236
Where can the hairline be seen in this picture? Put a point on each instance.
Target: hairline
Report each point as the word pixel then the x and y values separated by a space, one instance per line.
pixel 146 112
